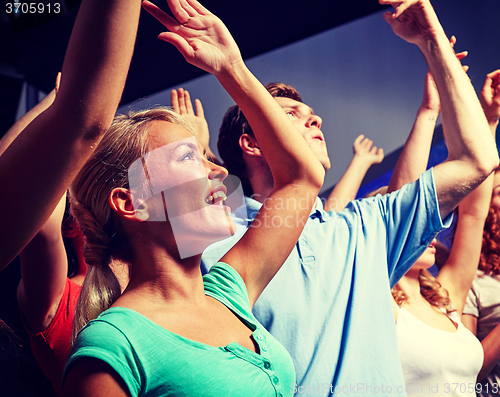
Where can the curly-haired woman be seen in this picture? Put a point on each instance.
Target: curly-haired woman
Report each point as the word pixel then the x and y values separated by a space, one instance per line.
pixel 437 351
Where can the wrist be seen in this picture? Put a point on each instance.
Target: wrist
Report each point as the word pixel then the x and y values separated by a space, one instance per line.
pixel 428 111
pixel 361 163
pixel 233 71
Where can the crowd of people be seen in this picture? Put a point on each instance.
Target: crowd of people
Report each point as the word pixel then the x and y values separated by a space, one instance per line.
pixel 139 280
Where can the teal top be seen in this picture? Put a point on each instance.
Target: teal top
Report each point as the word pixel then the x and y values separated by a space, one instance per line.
pixel 153 361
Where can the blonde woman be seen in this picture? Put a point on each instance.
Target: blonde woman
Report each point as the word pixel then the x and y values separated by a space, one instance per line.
pixel 150 197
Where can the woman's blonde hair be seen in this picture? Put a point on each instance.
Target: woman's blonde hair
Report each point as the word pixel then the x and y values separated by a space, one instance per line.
pixel 107 169
pixel 430 289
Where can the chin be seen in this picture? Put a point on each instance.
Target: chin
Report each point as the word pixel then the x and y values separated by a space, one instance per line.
pixel 196 230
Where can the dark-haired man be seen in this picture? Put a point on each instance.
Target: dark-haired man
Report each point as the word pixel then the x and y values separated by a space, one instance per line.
pixel 330 303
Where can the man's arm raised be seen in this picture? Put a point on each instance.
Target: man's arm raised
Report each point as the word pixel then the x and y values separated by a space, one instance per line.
pixel 472 151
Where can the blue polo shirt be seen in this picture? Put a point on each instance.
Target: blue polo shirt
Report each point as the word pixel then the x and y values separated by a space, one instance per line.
pixel 330 303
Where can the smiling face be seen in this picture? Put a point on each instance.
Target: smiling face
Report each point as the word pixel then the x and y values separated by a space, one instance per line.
pixel 176 182
pixel 309 126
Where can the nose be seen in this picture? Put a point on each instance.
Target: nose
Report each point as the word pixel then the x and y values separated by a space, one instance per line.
pixel 314 121
pixel 215 172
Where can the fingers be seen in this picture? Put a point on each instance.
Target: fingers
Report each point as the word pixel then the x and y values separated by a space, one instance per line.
pixel 379 156
pixel 188 106
pixel 198 7
pixel 199 108
pixel 181 103
pixel 58 82
pixel 174 101
pixel 399 10
pixel 159 14
pixel 453 41
pixel 178 42
pixel 494 77
pixel 390 19
pixel 399 7
pixel 491 84
pixel 358 139
pixel 181 10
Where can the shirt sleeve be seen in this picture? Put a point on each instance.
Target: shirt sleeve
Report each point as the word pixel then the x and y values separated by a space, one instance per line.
pixel 471 304
pixel 103 341
pixel 226 285
pixel 411 219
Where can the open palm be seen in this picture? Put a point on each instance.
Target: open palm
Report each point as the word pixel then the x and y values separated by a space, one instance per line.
pixel 200 36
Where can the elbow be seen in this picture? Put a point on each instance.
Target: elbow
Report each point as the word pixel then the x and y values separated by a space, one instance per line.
pixel 313 179
pixel 309 177
pixel 486 163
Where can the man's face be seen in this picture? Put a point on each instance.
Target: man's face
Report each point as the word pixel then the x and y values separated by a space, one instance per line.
pixel 309 125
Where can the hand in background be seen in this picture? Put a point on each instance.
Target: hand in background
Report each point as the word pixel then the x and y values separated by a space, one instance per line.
pixel 365 151
pixel 180 101
pixel 490 97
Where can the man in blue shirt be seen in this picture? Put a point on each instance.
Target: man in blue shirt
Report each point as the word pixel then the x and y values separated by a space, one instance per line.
pixel 330 303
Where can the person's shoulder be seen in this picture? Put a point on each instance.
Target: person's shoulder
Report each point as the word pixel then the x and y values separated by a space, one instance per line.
pixel 225 284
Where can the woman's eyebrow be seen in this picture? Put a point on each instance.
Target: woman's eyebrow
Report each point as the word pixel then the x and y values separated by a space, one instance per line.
pixel 188 144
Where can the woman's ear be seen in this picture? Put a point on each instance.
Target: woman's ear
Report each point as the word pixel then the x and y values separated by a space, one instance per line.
pixel 121 202
pixel 249 145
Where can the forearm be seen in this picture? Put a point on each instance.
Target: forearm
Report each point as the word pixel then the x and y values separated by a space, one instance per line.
pixel 348 186
pixel 491 348
pixel 287 154
pixel 97 60
pixel 477 203
pixel 415 154
pixel 467 133
pixel 51 150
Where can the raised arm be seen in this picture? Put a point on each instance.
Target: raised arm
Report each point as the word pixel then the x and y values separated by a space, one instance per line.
pixel 415 154
pixel 180 100
pixel 205 42
pixel 44 268
pixel 24 121
pixel 44 264
pixel 472 152
pixel 459 270
pixel 40 164
pixel 365 155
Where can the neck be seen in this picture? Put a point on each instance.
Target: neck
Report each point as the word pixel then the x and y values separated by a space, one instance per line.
pixel 410 285
pixel 261 178
pixel 159 274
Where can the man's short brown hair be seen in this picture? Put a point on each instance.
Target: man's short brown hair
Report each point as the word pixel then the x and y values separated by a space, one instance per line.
pixel 234 125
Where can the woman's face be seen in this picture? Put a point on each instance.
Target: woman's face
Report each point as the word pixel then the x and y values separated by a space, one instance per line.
pixel 176 182
pixel 428 258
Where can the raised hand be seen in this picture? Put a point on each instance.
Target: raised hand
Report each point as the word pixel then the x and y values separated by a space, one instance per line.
pixel 413 20
pixel 180 101
pixel 200 36
pixel 364 150
pixel 490 97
